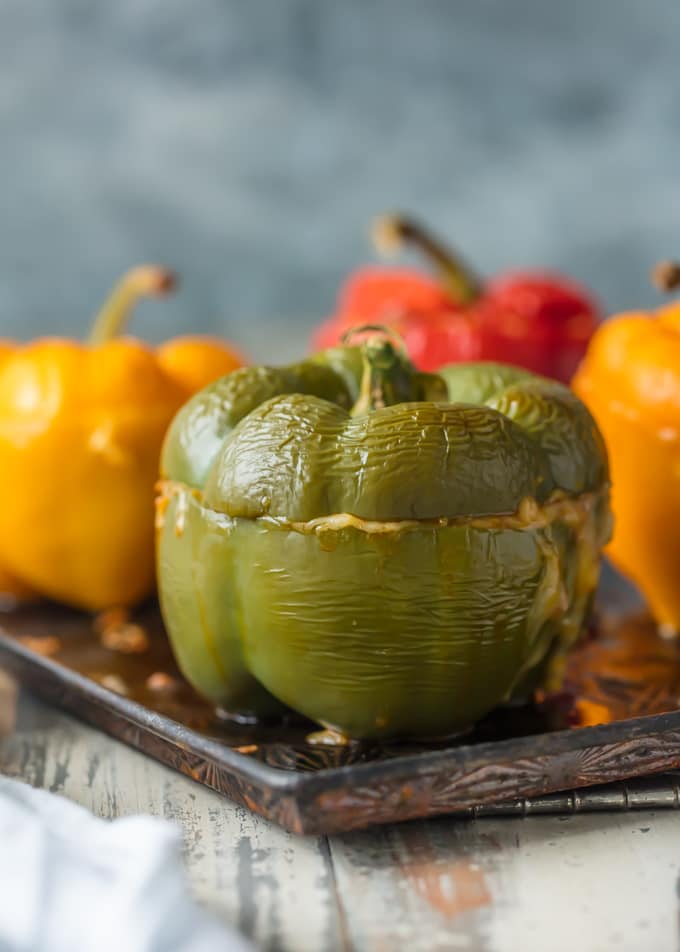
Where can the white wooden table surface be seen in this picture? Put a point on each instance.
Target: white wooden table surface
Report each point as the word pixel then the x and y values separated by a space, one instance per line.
pixel 551 884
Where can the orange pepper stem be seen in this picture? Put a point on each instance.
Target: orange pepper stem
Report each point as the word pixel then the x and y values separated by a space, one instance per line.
pixel 145 281
pixel 391 232
pixel 666 275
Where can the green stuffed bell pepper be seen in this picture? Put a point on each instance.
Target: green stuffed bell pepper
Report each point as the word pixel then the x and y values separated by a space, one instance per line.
pixel 390 553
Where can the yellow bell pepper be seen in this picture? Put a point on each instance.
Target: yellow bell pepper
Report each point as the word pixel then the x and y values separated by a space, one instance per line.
pixel 81 428
pixel 630 380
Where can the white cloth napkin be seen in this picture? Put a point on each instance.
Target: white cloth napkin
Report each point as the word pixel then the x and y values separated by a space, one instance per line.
pixel 70 882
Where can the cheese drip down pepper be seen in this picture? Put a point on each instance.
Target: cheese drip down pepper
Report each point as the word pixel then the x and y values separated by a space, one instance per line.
pixel 81 427
pixel 630 380
pixel 341 537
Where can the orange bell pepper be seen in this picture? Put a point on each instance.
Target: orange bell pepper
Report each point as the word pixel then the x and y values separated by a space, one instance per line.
pixel 630 380
pixel 81 427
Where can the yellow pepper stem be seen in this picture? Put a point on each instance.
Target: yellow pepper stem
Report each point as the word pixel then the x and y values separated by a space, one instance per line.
pixel 145 281
pixel 391 232
pixel 666 275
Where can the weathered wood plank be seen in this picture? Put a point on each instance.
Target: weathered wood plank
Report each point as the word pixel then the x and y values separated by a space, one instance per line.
pixel 594 882
pixel 275 887
pixel 591 882
pixel 416 887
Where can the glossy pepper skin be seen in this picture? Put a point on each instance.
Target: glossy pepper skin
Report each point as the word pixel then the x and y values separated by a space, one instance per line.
pixel 539 321
pixel 81 428
pixel 340 536
pixel 630 380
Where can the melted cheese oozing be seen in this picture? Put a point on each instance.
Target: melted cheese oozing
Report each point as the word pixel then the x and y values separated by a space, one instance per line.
pixel 530 514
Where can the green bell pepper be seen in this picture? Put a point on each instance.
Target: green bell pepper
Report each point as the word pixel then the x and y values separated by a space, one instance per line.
pixel 387 552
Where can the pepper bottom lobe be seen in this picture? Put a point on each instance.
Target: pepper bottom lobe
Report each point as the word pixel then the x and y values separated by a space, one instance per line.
pixel 411 630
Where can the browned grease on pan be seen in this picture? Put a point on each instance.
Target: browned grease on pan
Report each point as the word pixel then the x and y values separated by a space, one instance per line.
pixel 624 671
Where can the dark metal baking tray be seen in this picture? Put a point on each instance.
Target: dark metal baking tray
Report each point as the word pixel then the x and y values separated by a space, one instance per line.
pixel 618 718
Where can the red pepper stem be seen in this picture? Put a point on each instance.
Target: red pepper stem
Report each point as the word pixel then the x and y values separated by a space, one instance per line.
pixel 145 281
pixel 387 370
pixel 666 276
pixel 391 232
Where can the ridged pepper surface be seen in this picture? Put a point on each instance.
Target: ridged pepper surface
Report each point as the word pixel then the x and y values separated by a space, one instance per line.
pixel 390 553
pixel 81 429
pixel 630 380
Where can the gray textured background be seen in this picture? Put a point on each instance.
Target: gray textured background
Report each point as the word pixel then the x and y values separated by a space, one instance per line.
pixel 247 144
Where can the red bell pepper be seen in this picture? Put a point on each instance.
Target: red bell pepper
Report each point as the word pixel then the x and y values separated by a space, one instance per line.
pixel 536 320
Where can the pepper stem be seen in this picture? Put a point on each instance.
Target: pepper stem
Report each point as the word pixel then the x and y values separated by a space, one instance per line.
pixel 391 232
pixel 387 372
pixel 145 281
pixel 666 275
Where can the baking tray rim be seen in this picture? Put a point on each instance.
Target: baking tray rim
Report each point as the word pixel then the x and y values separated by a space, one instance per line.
pixel 283 780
